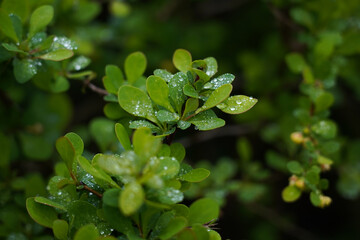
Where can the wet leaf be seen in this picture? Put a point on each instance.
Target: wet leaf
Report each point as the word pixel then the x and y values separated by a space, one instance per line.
pixel 78 63
pixel 217 82
pixel 131 198
pixel 24 69
pixel 195 175
pixel 325 128
pixel 145 144
pixel 237 104
pixel 206 120
pixel 87 232
pixel 176 85
pixel 49 202
pixel 136 102
pixel 166 116
pixel 190 91
pixel 216 97
pixel 57 55
pixel 159 91
pixel 163 74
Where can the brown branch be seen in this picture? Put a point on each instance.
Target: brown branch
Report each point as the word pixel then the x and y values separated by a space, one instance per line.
pixel 87 188
pixel 94 88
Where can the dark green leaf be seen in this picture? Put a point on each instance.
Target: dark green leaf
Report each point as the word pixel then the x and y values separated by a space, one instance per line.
pixel 42 214
pixel 60 229
pixel 76 142
pixel 66 151
pixel 24 69
pixel 295 62
pixel 295 167
pixel 122 136
pixel 6 26
pixel 174 226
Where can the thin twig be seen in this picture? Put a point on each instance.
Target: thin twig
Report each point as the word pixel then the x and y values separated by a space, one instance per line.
pixel 94 88
pixel 87 188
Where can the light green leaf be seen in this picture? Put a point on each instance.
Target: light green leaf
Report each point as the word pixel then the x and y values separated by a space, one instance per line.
pixel 122 136
pixel 66 151
pixel 42 214
pixel 206 120
pixel 96 173
pixel 114 78
pixel 49 203
pixel 126 164
pixel 182 60
pixel 291 193
pixel 61 84
pixel 87 232
pixel 76 142
pixel 159 91
pixel 114 111
pixel 190 91
pixel 163 74
pixel 168 167
pixel 143 123
pixel 195 175
pixel 60 229
pixel 145 144
pixel 211 66
pixel 325 128
pixel 219 81
pixel 13 48
pixel 40 18
pixel 166 116
pixel 17 7
pixel 111 197
pixel 136 102
pixel 323 101
pixel 295 62
pixel 203 211
pixel 131 198
pixel 237 104
pixel 102 130
pixel 315 199
pixel 135 65
pixel 174 226
pixel 176 85
pixel 324 160
pixel 24 69
pixel 183 124
pixel 169 195
pixel 7 27
pixel 57 55
pixel 35 146
pixel 216 97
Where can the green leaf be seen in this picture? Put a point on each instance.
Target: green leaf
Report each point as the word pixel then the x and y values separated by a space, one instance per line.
pixel 166 116
pixel 81 213
pixel 42 214
pixel 190 106
pixel 122 136
pixel 49 203
pixel 145 144
pixel 76 142
pixel 111 197
pixel 169 195
pixel 78 63
pixel 96 173
pixel 118 165
pixel 13 48
pixel 60 229
pixel 174 226
pixel 117 220
pixel 312 176
pixel 178 151
pixel 325 128
pixel 57 55
pixel 102 130
pixel 323 101
pixel 24 69
pixel 159 92
pixel 131 198
pixel 237 104
pixel 190 91
pixel 211 66
pixel 114 111
pixel 40 18
pixel 87 232
pixel 61 84
pixel 182 60
pixel 144 123
pixel 203 211
pixel 7 27
pixel 176 85
pixel 214 235
pixel 295 62
pixel 114 78
pixel 66 151
pixel 167 167
pixel 206 120
pixel 291 193
pixel 136 102
pixel 295 167
pixel 315 199
pixel 163 74
pixel 195 175
pixel 216 97
pixel 135 65
pixel 215 83
pixel 302 17
pixel 324 160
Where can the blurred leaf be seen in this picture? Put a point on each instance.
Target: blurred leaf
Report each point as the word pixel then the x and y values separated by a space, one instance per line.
pixel 40 18
pixel 211 66
pixel 19 7
pixel 295 62
pixel 6 26
pixel 76 142
pixel 24 69
pixel 60 229
pixel 102 130
pixel 325 128
pixel 291 194
pixel 122 136
pixel 131 198
pixel 114 78
pixel 78 63
pixel 178 151
pixel 323 101
pixel 58 55
pixel 195 175
pixel 87 232
pixel 295 167
pixel 145 144
pixel 174 226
